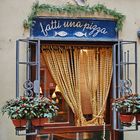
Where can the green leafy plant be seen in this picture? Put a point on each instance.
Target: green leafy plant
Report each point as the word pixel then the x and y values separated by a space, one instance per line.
pixel 30 107
pixel 73 9
pixel 137 104
pixel 129 104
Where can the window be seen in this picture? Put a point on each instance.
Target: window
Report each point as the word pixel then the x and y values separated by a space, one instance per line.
pixel 49 89
pixel 83 73
pixel 41 72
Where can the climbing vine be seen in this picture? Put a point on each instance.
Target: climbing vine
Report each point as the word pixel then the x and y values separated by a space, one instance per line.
pixel 72 9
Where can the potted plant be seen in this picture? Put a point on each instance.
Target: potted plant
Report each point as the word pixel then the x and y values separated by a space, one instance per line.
pixel 44 108
pixel 29 108
pixel 137 106
pixel 126 107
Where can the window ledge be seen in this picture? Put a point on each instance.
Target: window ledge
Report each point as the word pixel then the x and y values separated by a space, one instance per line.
pixel 72 129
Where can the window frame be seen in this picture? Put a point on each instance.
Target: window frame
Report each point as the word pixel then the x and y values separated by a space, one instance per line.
pixel 60 127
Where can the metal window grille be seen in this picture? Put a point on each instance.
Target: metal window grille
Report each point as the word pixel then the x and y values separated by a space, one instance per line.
pixel 24 63
pixel 124 78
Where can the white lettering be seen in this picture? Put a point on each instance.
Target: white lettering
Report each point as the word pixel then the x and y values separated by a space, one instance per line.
pixel 43 30
pixel 90 28
pixel 104 31
pixel 72 24
pixel 86 26
pixel 53 25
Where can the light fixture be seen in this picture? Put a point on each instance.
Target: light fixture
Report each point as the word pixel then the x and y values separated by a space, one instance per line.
pixel 40 90
pixel 57 100
pixel 54 95
pixel 57 89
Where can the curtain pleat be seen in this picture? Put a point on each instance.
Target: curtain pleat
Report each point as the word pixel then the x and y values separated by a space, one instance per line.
pixel 64 65
pixel 65 69
pixel 98 72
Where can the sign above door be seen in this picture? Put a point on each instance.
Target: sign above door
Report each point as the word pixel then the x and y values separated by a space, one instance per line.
pixel 74 28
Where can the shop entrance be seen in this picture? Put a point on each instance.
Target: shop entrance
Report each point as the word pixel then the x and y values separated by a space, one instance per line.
pixel 89 62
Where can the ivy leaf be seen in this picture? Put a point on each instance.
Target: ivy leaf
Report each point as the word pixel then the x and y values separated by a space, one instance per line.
pixel 72 9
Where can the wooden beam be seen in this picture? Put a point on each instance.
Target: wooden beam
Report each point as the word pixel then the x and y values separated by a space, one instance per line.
pixel 72 129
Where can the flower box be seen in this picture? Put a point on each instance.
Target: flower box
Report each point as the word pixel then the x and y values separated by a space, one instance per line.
pixel 39 121
pixel 126 118
pixel 29 108
pixel 128 106
pixel 19 122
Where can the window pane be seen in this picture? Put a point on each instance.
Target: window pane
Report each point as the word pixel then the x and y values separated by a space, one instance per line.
pixel 48 89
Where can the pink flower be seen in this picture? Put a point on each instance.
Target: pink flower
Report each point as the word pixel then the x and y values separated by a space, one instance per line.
pixel 25 111
pixel 24 105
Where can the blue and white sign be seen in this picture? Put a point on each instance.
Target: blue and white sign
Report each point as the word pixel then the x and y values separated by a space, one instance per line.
pixel 74 28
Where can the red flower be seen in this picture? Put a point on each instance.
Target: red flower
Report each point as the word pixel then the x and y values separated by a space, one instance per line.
pixel 23 105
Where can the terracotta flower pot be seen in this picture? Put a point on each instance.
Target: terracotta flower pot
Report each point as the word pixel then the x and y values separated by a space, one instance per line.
pixel 39 121
pixel 126 118
pixel 19 122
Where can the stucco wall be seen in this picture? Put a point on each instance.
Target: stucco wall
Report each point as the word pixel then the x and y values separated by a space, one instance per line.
pixel 12 14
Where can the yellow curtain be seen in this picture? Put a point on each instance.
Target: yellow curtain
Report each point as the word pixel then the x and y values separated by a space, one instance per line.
pixel 64 64
pixel 97 65
pixel 65 69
